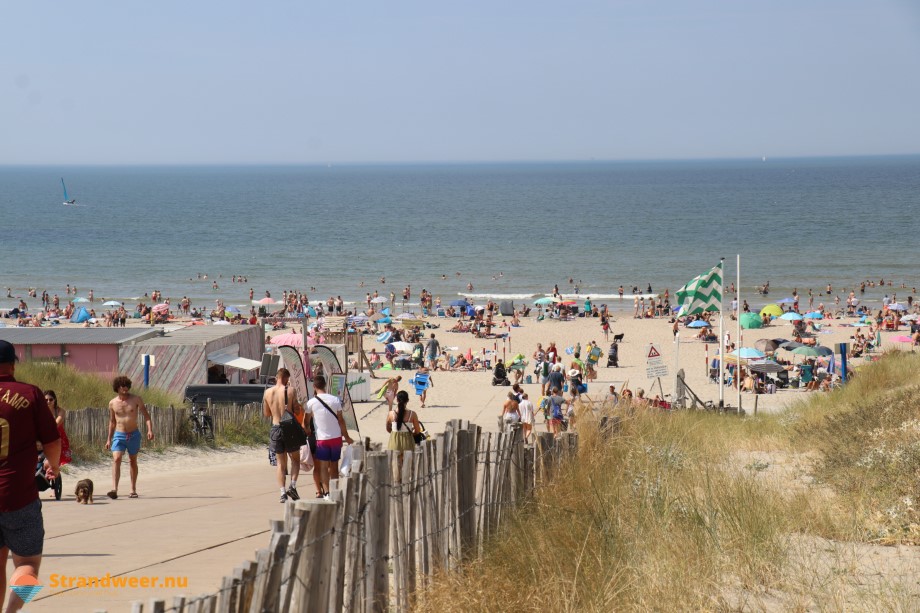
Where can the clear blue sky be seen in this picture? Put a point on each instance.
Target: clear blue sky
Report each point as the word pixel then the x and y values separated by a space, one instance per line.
pixel 209 81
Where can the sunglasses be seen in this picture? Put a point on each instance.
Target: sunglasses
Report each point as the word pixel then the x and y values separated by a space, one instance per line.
pixel 49 399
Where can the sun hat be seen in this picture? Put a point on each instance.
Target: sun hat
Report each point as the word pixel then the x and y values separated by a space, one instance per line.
pixel 574 372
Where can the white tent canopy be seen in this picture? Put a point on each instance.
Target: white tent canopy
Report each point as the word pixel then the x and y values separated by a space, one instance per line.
pixel 228 357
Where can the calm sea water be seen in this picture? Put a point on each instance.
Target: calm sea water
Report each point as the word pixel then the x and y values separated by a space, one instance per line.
pixel 509 229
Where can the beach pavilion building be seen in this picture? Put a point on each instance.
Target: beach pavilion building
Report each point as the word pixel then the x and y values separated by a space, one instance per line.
pixel 180 355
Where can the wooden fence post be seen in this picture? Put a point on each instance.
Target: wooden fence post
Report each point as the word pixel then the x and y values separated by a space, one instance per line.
pixel 377 530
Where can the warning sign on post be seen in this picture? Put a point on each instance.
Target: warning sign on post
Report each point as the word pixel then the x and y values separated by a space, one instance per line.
pixel 654 363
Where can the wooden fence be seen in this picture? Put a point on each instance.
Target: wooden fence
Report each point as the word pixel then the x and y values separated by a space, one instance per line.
pixel 170 425
pixel 390 526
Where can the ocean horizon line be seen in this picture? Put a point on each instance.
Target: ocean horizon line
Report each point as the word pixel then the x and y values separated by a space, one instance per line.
pixel 472 163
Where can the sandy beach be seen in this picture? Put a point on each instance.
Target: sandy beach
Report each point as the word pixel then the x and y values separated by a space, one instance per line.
pixel 470 395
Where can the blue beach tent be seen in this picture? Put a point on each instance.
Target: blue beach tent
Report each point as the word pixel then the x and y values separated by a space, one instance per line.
pixel 80 315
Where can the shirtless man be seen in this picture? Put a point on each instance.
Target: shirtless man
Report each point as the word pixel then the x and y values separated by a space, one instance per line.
pixel 276 401
pixel 123 432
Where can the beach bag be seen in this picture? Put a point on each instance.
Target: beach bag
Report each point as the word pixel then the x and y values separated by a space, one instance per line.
pixel 291 430
pixel 421 436
pixel 348 454
pixel 306 458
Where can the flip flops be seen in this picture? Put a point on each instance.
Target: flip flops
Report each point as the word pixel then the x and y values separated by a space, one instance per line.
pixel 133 495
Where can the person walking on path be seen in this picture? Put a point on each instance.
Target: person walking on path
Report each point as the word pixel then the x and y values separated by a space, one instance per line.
pixel 60 415
pixel 124 435
pixel 422 382
pixel 326 411
pixel 277 401
pixel 26 419
pixel 432 349
pixel 402 424
pixel 526 409
pixel 389 390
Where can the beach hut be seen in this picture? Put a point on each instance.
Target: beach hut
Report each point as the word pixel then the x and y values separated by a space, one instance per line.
pixel 188 356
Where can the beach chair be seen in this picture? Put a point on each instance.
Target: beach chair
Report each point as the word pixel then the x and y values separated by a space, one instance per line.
pixel 421 383
pixel 441 312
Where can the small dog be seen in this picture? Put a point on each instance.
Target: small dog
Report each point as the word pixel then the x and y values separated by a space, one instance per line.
pixel 84 491
pixel 618 338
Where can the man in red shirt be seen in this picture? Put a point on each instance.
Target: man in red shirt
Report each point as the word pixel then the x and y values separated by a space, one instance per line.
pixel 24 419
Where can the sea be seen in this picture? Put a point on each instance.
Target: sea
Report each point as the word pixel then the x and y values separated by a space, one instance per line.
pixel 509 231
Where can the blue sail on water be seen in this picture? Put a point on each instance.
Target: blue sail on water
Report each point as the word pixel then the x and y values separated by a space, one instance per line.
pixel 66 199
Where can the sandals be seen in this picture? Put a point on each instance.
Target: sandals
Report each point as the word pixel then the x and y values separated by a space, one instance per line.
pixel 112 494
pixel 133 495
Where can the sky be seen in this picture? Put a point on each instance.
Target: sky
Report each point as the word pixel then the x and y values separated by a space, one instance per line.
pixel 313 81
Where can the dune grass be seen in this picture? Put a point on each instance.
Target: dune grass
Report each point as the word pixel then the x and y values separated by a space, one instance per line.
pixel 76 390
pixel 667 514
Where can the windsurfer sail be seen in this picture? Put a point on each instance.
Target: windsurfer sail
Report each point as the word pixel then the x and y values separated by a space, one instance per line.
pixel 67 200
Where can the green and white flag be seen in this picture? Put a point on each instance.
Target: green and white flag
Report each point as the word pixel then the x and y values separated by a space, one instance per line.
pixel 702 293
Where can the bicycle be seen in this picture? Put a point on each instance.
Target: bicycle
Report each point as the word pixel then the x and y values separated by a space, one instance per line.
pixel 202 423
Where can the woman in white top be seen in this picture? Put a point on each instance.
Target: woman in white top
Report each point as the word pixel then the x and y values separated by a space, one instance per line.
pixel 525 408
pixel 402 424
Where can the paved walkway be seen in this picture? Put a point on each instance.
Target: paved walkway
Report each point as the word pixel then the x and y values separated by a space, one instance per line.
pixel 197 524
pixel 191 523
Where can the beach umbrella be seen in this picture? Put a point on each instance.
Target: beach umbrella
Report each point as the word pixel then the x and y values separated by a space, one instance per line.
pixel 698 323
pixel 824 351
pixel 813 315
pixel 377 317
pixel 568 303
pixel 546 300
pixel 790 345
pixel 161 308
pixel 748 353
pixel 232 309
pixel 911 317
pixel 385 320
pixel 773 310
pixel 901 339
pixel 404 347
pixel 111 303
pixel 266 300
pixel 766 366
pixel 291 339
pixel 459 303
pixel 786 301
pixel 805 350
pixel 751 320
pixel 767 345
pixel 80 299
pixel 791 316
pixel 895 306
pixel 378 300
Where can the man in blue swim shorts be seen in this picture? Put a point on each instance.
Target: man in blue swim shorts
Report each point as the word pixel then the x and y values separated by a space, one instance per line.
pixel 124 434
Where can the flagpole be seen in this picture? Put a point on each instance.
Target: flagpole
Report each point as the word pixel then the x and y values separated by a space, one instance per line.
pixel 738 369
pixel 722 338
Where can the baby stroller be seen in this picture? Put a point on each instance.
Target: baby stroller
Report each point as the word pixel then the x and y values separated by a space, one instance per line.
pixel 500 374
pixel 613 355
pixel 42 483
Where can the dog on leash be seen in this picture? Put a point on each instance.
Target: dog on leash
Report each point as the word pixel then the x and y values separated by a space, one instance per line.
pixel 84 491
